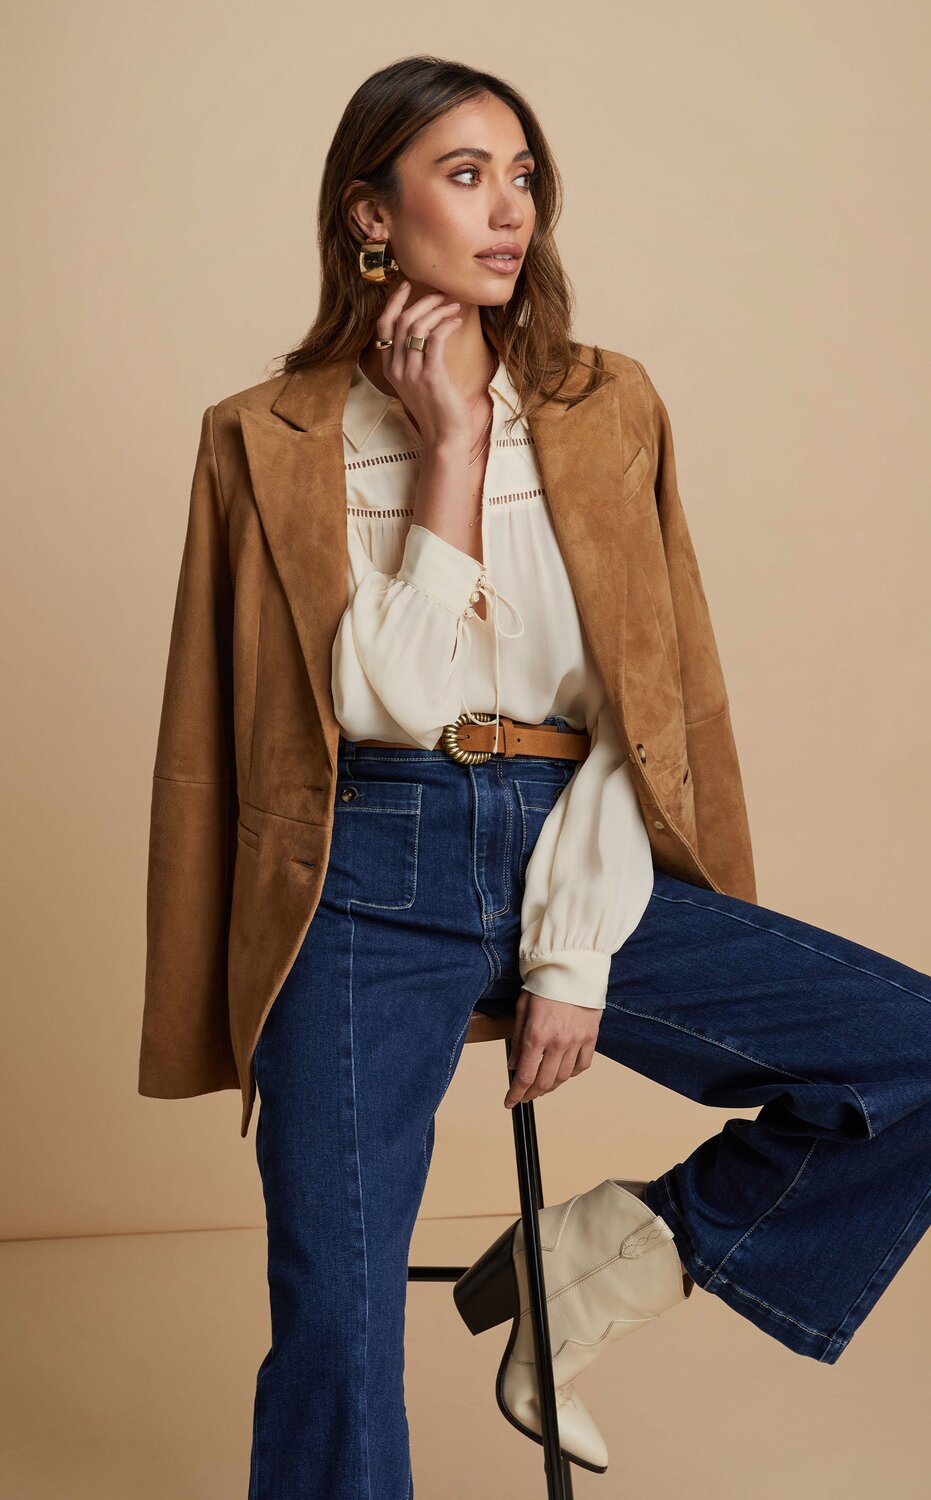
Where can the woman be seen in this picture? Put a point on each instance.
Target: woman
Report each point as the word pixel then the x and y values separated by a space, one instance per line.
pixel 378 806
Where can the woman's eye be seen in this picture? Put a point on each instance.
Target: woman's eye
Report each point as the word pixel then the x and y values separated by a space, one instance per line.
pixel 531 176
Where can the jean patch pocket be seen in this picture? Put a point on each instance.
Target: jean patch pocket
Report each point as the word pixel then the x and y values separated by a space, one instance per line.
pixel 536 800
pixel 373 850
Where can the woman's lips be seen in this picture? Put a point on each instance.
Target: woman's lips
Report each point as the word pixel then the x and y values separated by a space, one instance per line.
pixel 495 263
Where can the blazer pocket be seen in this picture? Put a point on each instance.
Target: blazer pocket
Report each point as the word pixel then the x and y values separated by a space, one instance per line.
pixel 247 836
pixel 635 474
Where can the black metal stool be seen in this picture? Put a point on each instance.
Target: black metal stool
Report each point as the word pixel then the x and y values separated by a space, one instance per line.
pixel 484 1028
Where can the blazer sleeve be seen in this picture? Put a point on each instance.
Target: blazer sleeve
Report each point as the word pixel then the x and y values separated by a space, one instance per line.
pixel 186 1047
pixel 724 844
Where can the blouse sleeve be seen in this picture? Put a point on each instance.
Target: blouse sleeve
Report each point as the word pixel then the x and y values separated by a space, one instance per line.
pixel 589 877
pixel 400 647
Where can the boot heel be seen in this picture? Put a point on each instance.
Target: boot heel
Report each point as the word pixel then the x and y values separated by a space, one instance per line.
pixel 487 1293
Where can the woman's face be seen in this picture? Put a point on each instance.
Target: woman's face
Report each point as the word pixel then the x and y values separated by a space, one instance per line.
pixel 466 187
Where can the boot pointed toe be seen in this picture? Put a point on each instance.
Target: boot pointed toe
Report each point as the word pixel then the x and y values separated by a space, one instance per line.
pixel 610 1265
pixel 580 1439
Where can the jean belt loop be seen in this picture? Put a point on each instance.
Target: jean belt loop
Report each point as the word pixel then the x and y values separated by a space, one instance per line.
pixel 347 750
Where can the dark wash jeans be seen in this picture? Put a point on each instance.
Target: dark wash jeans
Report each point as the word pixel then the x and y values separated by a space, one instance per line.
pixel 797 1219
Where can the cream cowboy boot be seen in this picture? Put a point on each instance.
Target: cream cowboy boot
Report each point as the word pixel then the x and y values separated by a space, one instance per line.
pixel 610 1265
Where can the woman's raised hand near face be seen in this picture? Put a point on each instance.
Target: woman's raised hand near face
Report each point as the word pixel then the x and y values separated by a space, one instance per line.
pixel 421 378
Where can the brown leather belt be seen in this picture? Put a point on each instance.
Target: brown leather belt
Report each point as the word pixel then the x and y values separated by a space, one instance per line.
pixel 470 744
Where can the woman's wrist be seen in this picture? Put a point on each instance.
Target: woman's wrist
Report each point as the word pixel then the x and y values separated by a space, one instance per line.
pixel 441 499
pixel 451 449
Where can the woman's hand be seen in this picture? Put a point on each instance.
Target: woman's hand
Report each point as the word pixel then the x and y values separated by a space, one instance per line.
pixel 552 1041
pixel 421 379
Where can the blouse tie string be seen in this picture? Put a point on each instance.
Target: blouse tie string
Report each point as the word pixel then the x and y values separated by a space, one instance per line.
pixel 494 598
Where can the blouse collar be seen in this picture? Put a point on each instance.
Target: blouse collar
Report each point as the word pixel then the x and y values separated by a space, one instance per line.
pixel 366 405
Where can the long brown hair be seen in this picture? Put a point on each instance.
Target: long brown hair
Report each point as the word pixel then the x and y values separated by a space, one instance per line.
pixel 385 114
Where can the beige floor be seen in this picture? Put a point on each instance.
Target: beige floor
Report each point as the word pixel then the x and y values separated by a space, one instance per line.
pixel 127 1376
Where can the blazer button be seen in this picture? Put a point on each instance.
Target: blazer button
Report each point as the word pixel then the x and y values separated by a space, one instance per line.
pixel 349 794
pixel 642 753
pixel 658 824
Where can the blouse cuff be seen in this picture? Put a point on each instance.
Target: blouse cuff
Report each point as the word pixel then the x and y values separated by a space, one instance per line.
pixel 434 566
pixel 577 976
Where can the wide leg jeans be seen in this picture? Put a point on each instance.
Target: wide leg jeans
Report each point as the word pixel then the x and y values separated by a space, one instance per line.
pixel 797 1219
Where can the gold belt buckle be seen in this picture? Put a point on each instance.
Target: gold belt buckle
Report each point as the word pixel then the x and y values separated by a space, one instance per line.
pixel 451 741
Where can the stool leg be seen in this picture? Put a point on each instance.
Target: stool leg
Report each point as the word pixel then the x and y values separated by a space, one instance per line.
pixel 538 1198
pixel 530 1185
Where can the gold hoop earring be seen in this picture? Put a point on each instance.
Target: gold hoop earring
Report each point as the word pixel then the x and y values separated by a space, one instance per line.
pixel 375 261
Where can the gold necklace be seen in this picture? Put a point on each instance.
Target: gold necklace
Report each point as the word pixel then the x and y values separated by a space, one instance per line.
pixel 481 435
pixel 475 520
pixel 483 392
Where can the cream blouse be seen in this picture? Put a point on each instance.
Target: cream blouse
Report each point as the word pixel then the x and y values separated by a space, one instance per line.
pixel 411 654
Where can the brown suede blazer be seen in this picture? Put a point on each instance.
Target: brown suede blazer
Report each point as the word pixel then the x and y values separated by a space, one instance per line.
pixel 244 780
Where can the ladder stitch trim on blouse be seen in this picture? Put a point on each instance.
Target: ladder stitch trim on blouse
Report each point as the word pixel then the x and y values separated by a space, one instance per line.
pixel 404 455
pixel 395 510
pixel 381 458
pixel 513 495
pixel 404 510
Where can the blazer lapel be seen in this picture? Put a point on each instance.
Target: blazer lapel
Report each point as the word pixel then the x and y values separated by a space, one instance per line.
pixel 299 481
pixel 298 477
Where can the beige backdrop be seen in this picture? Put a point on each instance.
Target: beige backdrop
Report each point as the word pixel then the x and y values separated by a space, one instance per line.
pixel 747 212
